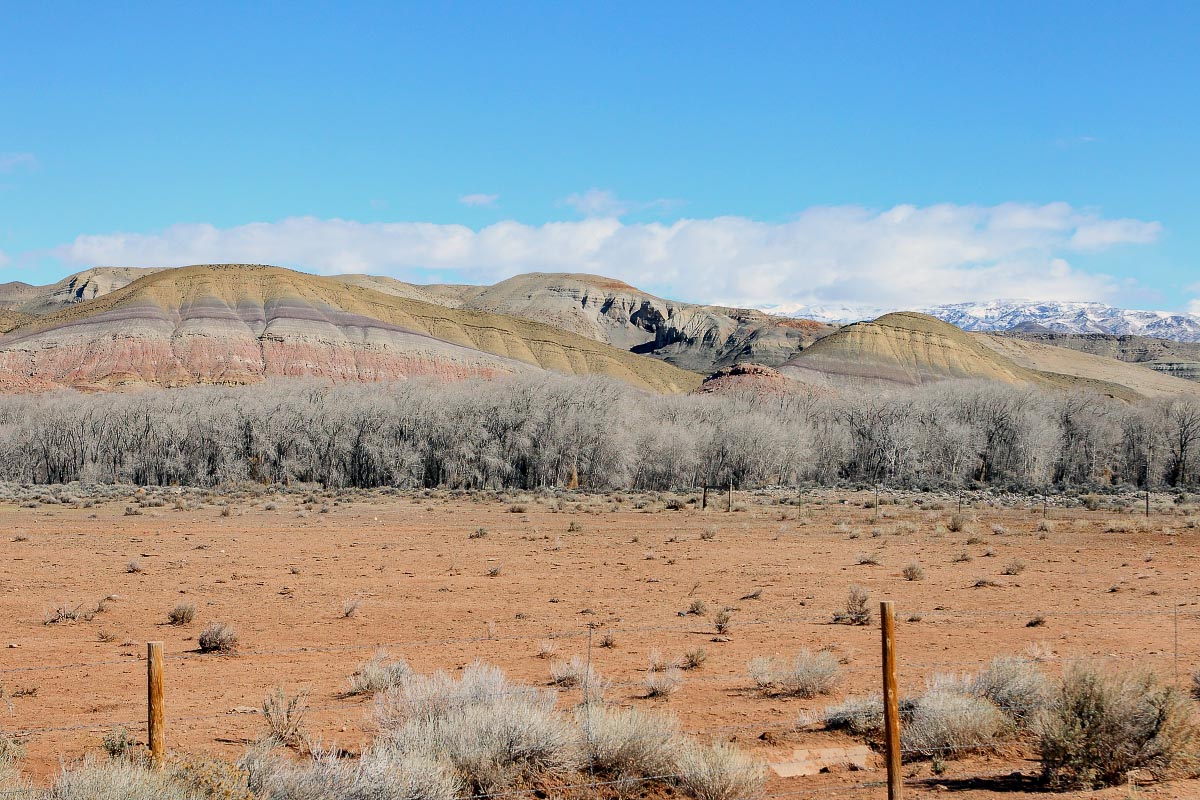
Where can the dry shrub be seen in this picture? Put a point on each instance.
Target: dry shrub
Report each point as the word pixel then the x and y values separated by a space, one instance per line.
pixel 217 637
pixel 378 674
pixel 493 734
pixel 117 779
pixel 945 722
pixel 627 743
pixel 858 608
pixel 720 772
pixel 663 682
pixel 1100 726
pixel 1015 685
pixel 860 716
pixel 808 675
pixel 285 716
pixel 181 614
pixel 913 572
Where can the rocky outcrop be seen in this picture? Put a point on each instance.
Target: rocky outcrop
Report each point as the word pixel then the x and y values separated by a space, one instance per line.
pixel 694 337
pixel 77 288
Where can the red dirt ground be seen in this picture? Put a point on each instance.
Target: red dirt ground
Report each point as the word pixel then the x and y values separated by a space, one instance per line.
pixel 283 579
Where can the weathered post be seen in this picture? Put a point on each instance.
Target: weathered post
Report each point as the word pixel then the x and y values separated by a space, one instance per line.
pixel 155 733
pixel 891 703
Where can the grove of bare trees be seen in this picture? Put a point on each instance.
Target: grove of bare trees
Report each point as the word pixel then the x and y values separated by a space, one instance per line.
pixel 534 432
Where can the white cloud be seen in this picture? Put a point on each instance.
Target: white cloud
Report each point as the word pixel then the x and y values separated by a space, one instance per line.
pixel 4 259
pixel 605 203
pixel 597 203
pixel 10 162
pixel 478 199
pixel 904 256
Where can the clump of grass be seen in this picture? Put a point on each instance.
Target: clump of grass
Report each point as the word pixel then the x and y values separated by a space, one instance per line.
pixel 518 508
pixel 378 674
pixel 694 658
pixel 708 534
pixel 867 559
pixel 494 572
pixel 350 608
pixel 962 557
pixel 913 572
pixel 1036 622
pixel 608 640
pixel 546 648
pixel 857 610
pixel 478 533
pixel 663 682
pixel 755 595
pixel 573 673
pixel 118 742
pixel 63 613
pixel 217 637
pixel 697 608
pixel 957 523
pixel 1014 567
pixel 807 675
pixel 181 614
pixel 285 716
pixel 722 621
pixel 133 566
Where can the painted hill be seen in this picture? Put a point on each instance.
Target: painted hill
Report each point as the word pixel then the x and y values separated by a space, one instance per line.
pixel 236 324
pixel 909 349
pixel 701 338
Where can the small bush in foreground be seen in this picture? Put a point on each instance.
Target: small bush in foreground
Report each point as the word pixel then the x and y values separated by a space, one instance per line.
pixel 947 723
pixel 217 637
pixel 1100 726
pixel 719 772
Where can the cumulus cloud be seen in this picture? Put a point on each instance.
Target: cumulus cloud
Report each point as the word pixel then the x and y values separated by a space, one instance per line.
pixel 905 256
pixel 11 162
pixel 478 199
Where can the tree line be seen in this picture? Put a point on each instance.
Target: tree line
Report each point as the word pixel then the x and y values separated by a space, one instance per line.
pixel 548 431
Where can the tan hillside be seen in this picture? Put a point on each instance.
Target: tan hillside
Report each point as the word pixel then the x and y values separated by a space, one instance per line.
pixel 911 349
pixel 1063 361
pixel 13 319
pixel 242 323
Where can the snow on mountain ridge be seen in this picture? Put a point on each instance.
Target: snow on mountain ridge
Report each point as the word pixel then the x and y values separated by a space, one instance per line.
pixel 1054 315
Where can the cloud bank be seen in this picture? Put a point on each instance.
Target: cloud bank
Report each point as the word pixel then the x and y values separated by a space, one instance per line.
pixel 904 256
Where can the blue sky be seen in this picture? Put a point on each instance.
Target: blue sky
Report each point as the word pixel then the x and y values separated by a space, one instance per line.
pixel 880 154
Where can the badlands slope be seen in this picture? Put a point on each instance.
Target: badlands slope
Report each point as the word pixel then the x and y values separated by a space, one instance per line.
pixel 236 324
pixel 910 349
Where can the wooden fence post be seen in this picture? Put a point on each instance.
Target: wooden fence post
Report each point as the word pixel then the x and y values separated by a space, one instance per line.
pixel 156 735
pixel 891 703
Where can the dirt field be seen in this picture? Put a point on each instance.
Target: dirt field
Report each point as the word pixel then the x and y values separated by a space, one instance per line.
pixel 284 573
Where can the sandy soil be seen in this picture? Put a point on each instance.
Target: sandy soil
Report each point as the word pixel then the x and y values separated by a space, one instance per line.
pixel 1106 585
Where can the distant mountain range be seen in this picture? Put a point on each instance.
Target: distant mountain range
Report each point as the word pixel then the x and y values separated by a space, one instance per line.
pixel 1028 316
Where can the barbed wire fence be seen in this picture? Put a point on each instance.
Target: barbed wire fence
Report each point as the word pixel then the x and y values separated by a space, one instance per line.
pixel 1166 664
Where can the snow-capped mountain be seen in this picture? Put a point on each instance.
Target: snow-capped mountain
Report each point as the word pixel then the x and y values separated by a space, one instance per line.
pixel 1058 316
